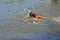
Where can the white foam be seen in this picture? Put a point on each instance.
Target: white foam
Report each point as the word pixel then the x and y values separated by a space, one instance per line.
pixel 57 19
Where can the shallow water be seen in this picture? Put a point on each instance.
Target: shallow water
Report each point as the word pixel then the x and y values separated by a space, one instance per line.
pixel 11 29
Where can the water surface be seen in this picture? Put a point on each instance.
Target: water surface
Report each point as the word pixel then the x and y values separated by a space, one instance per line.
pixel 11 29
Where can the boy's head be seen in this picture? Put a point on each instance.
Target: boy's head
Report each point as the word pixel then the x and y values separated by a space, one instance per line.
pixel 32 14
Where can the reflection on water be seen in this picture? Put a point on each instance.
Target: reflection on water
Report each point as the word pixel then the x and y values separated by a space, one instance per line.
pixel 54 1
pixel 11 29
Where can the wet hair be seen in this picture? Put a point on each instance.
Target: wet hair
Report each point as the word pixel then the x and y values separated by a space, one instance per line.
pixel 32 14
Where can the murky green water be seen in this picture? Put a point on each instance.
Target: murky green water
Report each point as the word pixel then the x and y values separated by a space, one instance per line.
pixel 11 29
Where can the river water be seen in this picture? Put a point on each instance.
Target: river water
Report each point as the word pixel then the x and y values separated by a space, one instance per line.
pixel 11 29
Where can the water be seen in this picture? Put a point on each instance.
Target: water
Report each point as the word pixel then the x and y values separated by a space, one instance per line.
pixel 11 29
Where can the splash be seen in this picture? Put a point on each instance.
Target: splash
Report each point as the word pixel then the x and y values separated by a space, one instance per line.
pixel 57 19
pixel 24 16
